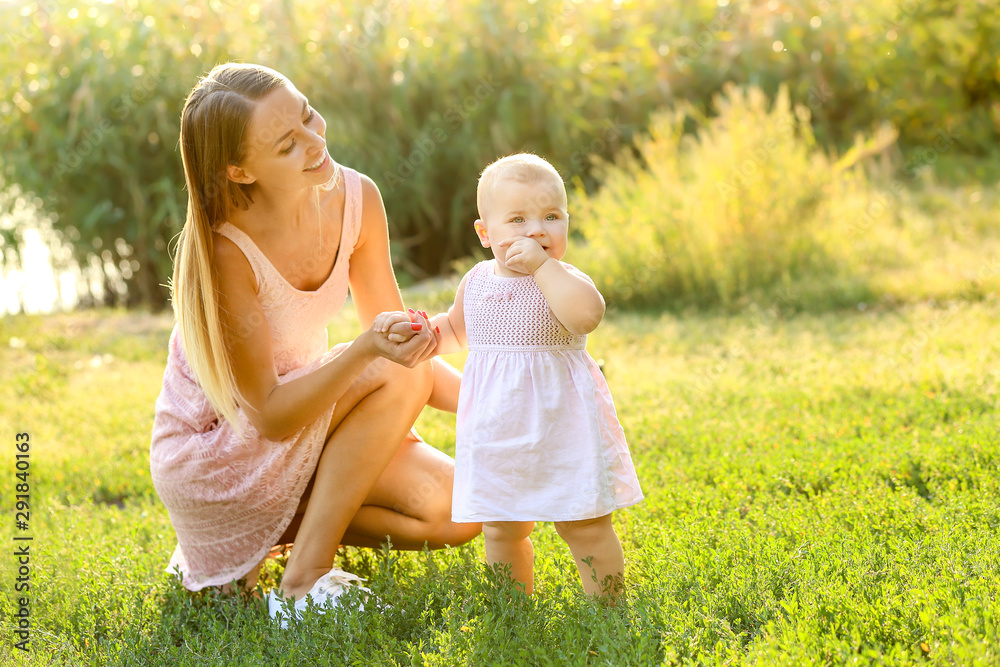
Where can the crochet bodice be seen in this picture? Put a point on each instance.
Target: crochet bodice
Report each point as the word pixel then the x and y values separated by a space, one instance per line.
pixel 511 313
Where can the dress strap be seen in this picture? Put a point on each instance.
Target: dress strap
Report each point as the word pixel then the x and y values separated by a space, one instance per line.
pixel 353 199
pixel 258 262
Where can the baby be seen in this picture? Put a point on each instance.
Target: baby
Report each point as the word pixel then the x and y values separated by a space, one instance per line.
pixel 537 438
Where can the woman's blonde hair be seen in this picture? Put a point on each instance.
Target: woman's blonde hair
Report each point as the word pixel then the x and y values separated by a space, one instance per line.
pixel 214 123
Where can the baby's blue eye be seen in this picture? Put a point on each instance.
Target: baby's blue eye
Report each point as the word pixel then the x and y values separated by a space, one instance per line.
pixel 518 219
pixel 550 216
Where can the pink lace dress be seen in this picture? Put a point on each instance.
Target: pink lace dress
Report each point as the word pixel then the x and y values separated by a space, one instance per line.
pixel 537 436
pixel 231 498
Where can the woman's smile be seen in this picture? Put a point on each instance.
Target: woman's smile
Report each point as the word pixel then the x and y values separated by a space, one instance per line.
pixel 319 164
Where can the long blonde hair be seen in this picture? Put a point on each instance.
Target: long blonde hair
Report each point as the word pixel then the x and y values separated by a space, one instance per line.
pixel 214 122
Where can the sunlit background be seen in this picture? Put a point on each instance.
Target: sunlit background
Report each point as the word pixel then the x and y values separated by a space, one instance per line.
pixel 421 95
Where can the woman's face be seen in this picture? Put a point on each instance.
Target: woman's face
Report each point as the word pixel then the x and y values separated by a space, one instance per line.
pixel 286 144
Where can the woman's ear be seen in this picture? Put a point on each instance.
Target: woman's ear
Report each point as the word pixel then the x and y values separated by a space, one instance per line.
pixel 481 232
pixel 239 175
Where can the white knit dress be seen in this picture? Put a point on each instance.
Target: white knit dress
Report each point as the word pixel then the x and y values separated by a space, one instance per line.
pixel 538 438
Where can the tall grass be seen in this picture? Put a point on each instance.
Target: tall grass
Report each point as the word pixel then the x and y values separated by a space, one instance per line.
pixel 744 205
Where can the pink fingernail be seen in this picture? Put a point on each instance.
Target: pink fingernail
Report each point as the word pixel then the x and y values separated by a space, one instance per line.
pixel 411 311
pixel 416 327
pixel 438 329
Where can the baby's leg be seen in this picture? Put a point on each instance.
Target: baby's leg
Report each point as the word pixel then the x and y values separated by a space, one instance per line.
pixel 507 542
pixel 595 539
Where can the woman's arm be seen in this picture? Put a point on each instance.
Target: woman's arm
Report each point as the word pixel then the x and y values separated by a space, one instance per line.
pixel 373 283
pixel 374 288
pixel 447 381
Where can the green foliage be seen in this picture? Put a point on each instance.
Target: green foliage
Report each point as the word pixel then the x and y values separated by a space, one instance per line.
pixel 745 206
pixel 821 489
pixel 929 67
pixel 96 94
pixel 422 96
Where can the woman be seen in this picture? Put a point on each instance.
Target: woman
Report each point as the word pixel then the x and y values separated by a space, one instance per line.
pixel 262 435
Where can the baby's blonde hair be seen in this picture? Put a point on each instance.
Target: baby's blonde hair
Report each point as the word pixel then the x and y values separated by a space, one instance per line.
pixel 522 167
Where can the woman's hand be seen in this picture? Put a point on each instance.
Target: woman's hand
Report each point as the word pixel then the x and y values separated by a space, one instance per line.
pixel 405 338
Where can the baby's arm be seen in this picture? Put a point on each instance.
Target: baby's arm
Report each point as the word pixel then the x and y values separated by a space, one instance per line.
pixel 450 326
pixel 572 296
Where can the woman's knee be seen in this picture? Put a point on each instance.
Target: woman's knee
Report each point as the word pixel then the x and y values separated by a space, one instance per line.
pixel 407 389
pixel 431 501
pixel 418 380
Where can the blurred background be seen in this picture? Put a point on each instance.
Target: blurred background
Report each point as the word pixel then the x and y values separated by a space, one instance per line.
pixel 718 153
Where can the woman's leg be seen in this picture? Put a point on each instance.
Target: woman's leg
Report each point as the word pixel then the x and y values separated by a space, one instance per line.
pixel 411 503
pixel 369 423
pixel 507 543
pixel 596 539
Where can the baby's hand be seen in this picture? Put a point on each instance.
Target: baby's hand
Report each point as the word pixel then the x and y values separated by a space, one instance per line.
pixel 394 326
pixel 406 339
pixel 524 254
pixel 383 321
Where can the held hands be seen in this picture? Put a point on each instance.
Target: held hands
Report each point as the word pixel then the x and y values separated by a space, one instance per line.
pixel 405 338
pixel 524 254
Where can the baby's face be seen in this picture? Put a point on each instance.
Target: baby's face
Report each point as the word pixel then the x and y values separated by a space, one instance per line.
pixel 533 210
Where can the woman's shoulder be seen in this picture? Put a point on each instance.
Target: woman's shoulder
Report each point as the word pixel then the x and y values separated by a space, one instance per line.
pixel 232 263
pixel 359 188
pixel 368 186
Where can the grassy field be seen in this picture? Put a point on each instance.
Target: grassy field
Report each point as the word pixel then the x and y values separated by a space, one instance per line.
pixel 821 489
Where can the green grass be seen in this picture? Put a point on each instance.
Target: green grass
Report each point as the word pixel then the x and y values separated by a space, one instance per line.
pixel 821 489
